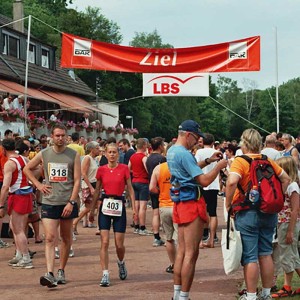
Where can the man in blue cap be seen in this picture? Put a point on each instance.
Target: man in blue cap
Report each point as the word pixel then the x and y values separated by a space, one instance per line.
pixel 189 210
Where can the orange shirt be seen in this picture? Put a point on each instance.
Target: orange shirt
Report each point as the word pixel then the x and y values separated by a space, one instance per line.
pixel 241 167
pixel 164 186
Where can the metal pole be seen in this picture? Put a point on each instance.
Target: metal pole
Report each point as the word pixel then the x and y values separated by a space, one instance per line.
pixel 26 74
pixel 277 94
pixel 131 122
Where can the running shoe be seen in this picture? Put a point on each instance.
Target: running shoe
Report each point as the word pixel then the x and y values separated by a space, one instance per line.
pixel 260 297
pixel 57 254
pixel 14 261
pixel 48 280
pixel 31 253
pixel 136 230
pixel 170 269
pixel 71 253
pixel 157 243
pixel 60 278
pixel 74 236
pixel 22 264
pixel 145 232
pixel 122 270
pixel 3 244
pixel 105 280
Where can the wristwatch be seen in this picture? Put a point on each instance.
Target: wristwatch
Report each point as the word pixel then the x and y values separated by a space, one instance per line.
pixel 72 202
pixel 206 161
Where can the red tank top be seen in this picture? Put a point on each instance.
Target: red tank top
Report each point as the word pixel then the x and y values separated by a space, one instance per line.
pixel 18 180
pixel 139 173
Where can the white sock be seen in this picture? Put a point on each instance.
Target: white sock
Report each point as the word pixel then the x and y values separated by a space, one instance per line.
pixel 265 292
pixel 121 262
pixel 56 249
pixel 18 254
pixel 184 295
pixel 251 296
pixel 105 272
pixel 177 289
pixel 26 257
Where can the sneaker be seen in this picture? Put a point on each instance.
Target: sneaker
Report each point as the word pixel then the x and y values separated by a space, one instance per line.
pixel 3 244
pixel 243 297
pixel 105 280
pixel 22 264
pixel 57 254
pixel 169 269
pixel 31 253
pixel 122 270
pixel 157 243
pixel 216 240
pixel 74 236
pixel 285 291
pixel 260 297
pixel 48 280
pixel 60 278
pixel 136 230
pixel 71 253
pixel 145 232
pixel 14 261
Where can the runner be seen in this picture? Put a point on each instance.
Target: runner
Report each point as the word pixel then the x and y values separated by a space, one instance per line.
pixel 61 166
pixel 112 178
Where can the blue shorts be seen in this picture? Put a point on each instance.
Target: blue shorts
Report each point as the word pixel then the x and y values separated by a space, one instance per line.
pixel 119 223
pixel 257 230
pixel 55 212
pixel 141 191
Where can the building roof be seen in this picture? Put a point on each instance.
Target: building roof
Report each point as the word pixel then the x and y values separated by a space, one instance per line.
pixel 13 68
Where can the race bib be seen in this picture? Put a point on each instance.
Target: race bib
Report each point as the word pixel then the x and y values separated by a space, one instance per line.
pixel 58 172
pixel 112 207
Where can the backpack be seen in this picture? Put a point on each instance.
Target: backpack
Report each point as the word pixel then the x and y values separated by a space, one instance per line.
pixel 262 175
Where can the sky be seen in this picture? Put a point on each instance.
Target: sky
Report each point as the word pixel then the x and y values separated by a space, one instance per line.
pixel 189 23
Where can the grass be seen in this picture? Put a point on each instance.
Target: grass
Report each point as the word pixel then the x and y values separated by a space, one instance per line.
pixel 279 283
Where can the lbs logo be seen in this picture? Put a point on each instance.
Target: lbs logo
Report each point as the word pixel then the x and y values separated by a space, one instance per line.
pixel 82 48
pixel 175 84
pixel 238 50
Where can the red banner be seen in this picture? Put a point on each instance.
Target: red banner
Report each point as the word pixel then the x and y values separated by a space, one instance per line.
pixel 236 56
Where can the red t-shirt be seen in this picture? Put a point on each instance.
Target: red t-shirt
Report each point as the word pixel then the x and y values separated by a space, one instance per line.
pixel 113 180
pixel 139 173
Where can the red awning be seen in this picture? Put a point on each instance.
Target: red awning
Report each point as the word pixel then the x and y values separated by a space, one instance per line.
pixel 67 101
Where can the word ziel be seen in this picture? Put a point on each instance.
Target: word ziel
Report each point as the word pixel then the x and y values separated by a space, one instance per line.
pixel 152 59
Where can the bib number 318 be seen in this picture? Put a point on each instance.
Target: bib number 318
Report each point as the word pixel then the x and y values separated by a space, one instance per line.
pixel 112 207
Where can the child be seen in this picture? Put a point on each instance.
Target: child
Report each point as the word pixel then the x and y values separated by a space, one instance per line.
pixel 288 230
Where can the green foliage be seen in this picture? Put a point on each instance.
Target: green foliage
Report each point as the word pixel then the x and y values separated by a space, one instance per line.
pixel 219 114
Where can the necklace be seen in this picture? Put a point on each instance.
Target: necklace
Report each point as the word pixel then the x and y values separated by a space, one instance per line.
pixel 112 168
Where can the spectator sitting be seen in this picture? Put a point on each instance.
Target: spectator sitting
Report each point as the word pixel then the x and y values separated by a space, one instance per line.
pixel 54 116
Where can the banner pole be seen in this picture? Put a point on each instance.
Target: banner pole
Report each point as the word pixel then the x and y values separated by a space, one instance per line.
pixel 277 94
pixel 26 76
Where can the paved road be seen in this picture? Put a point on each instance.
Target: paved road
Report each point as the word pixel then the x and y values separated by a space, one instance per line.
pixel 146 265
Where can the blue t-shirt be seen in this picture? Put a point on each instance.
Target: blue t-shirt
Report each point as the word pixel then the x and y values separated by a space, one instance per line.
pixel 183 166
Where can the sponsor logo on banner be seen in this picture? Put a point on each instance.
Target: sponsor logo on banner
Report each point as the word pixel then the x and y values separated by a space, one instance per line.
pixel 238 50
pixel 175 84
pixel 82 48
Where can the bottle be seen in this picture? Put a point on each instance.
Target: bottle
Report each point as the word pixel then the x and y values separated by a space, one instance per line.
pixel 175 191
pixel 254 194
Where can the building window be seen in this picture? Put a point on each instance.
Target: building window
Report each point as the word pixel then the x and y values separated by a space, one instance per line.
pixel 11 45
pixel 45 58
pixel 32 53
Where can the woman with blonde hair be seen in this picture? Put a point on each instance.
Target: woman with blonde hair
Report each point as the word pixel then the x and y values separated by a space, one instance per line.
pixel 286 255
pixel 256 228
pixel 89 168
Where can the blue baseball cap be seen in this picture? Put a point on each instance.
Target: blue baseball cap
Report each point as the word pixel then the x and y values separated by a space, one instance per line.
pixel 191 126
